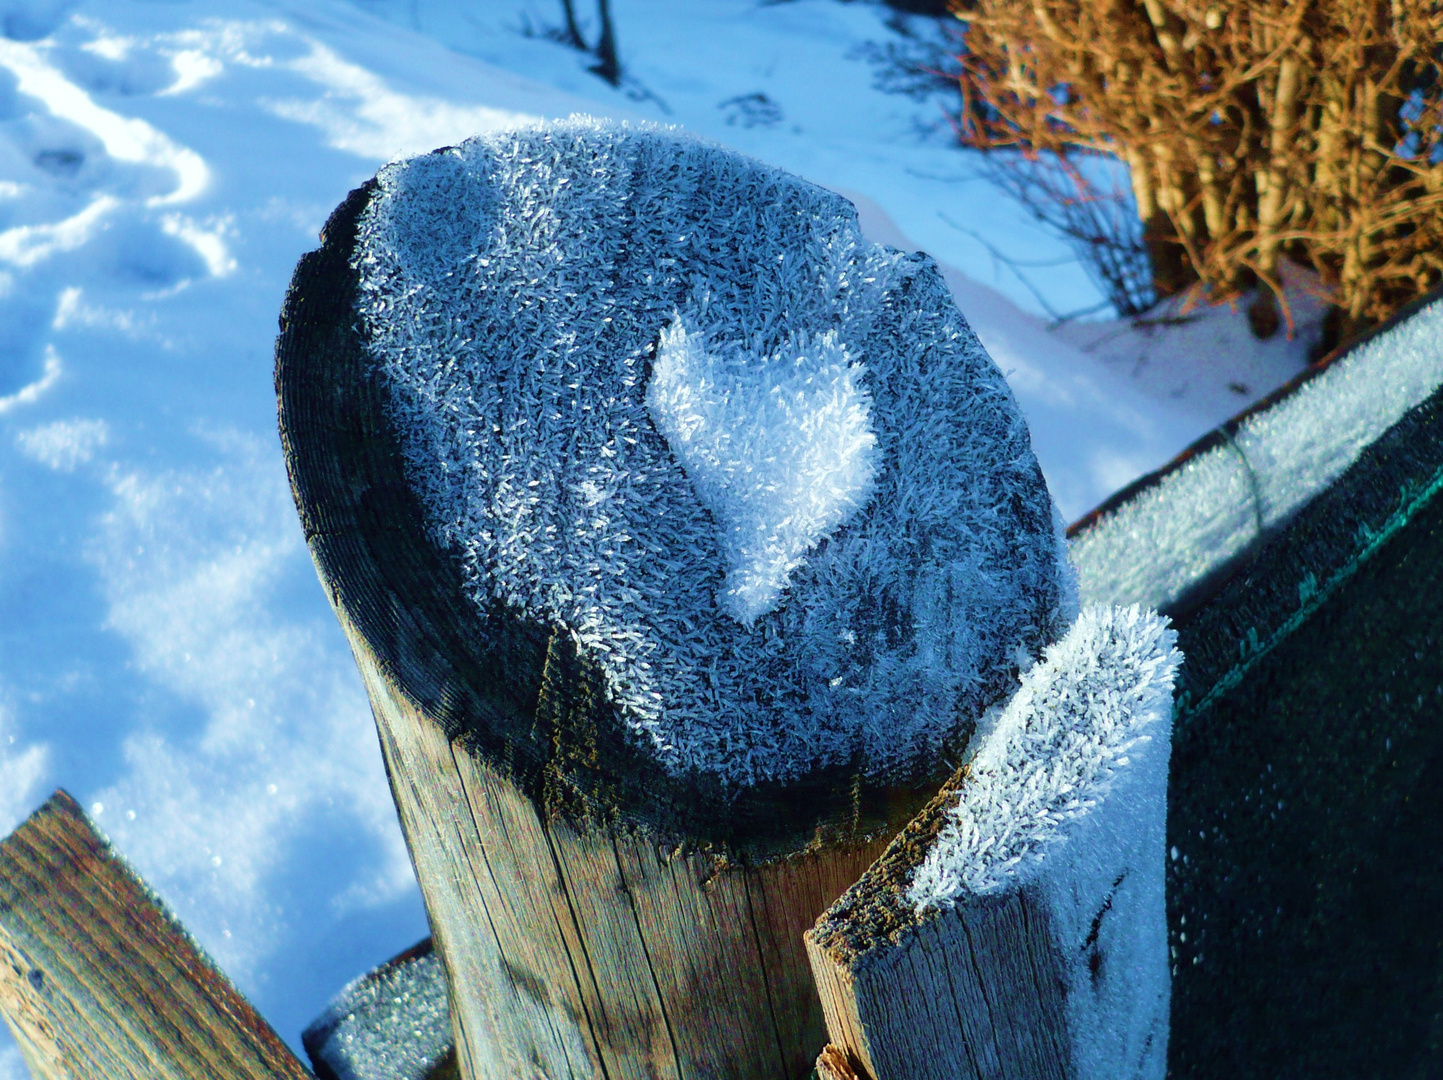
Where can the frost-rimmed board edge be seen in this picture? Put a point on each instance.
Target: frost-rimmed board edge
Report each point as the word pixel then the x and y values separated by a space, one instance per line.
pixel 392 1023
pixel 480 676
pixel 99 979
pixel 1213 493
pixel 1280 794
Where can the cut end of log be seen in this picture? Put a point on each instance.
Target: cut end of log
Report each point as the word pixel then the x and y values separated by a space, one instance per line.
pixel 543 578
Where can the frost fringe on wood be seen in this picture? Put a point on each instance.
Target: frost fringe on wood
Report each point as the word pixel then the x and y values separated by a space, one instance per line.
pixel 1177 533
pixel 1016 929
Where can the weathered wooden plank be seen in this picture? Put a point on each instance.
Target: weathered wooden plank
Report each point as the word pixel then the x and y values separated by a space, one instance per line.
pixel 781 898
pixel 98 980
pixel 1016 930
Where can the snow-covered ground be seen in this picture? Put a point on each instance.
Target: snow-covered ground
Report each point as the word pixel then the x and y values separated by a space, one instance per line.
pixel 165 652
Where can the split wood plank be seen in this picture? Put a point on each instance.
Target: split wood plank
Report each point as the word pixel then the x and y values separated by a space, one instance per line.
pixel 98 981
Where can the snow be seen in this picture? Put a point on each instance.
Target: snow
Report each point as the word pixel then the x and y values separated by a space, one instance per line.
pixel 780 449
pixel 1067 795
pixel 520 390
pixel 1221 502
pixel 1096 705
pixel 165 650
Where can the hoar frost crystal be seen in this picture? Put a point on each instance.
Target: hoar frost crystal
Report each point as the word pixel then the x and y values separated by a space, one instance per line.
pixel 669 400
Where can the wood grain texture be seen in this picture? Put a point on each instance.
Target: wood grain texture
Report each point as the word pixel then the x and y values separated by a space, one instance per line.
pixel 974 992
pixel 98 981
pixel 597 916
pixel 1056 970
pixel 579 951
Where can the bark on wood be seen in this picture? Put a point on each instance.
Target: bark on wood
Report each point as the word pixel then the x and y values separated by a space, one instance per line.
pixel 597 916
pixel 98 980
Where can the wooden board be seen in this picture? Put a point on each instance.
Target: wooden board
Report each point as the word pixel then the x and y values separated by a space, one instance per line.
pixel 98 980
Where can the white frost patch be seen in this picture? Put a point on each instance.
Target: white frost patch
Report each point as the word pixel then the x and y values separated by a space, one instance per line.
pixel 391 1025
pixel 780 450
pixel 1093 703
pixel 64 445
pixel 1067 797
pixel 22 768
pixel 1218 504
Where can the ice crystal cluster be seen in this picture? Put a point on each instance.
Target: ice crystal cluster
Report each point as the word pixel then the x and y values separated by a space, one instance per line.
pixel 779 448
pixel 1100 697
pixel 669 399
pixel 391 1024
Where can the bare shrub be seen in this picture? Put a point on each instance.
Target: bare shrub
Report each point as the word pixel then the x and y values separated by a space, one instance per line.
pixel 1254 130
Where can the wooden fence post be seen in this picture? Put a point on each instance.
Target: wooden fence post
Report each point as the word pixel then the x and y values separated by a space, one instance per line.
pixel 598 915
pixel 99 982
pixel 573 950
pixel 392 1023
pixel 1015 930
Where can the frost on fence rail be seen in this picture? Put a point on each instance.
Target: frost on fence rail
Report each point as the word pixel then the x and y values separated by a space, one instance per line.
pixel 1197 520
pixel 669 401
pixel 392 1023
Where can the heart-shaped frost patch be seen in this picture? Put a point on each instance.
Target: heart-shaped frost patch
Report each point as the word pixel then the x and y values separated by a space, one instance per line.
pixel 779 449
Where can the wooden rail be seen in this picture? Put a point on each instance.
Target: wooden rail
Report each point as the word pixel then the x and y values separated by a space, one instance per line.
pixel 98 981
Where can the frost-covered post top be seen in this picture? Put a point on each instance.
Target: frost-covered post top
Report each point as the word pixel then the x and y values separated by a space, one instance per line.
pixel 667 404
